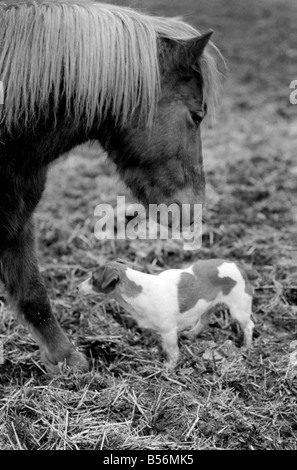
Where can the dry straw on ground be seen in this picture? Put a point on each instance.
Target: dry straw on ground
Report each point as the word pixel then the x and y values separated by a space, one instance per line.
pixel 219 397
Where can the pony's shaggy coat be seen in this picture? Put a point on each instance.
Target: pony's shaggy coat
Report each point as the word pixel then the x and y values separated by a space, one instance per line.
pixel 100 58
pixel 74 71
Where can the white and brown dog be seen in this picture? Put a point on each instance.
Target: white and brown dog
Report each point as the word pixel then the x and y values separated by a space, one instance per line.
pixel 177 299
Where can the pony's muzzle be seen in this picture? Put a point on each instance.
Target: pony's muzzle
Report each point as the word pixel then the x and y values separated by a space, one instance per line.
pixel 189 201
pixel 189 215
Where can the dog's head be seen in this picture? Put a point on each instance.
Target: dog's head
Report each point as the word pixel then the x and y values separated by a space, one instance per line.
pixel 104 280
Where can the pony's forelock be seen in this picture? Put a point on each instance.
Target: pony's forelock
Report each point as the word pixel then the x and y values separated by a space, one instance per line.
pixel 101 57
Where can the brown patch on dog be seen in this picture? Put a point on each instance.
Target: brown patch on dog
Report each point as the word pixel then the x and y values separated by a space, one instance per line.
pixel 130 288
pixel 204 284
pixel 106 278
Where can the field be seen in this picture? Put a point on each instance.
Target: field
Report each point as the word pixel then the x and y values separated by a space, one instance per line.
pixel 219 397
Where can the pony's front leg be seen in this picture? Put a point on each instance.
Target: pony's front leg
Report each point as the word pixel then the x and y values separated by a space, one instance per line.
pixel 20 275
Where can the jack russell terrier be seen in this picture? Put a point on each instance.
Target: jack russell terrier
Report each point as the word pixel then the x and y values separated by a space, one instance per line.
pixel 178 299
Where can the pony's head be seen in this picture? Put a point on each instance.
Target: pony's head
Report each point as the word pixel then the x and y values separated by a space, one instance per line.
pixel 163 163
pixel 139 84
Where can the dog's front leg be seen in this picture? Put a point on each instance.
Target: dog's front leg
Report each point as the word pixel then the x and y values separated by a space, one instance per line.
pixel 170 346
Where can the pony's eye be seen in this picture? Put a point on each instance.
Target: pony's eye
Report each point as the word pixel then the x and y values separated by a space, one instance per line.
pixel 197 117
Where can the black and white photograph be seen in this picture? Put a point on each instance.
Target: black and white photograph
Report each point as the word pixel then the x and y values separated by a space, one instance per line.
pixel 148 227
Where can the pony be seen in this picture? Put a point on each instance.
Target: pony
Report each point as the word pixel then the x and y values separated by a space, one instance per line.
pixel 74 71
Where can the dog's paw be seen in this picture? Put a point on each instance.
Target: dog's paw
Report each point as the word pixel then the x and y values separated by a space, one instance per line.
pixel 170 365
pixel 188 335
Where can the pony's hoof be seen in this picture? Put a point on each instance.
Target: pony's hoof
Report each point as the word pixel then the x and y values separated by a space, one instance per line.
pixel 77 361
pixel 74 360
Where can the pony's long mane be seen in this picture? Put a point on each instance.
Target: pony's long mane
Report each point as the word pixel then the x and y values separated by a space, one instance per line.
pixel 100 57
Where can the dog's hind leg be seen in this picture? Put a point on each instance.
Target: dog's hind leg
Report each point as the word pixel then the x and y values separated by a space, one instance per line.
pixel 242 314
pixel 247 329
pixel 199 326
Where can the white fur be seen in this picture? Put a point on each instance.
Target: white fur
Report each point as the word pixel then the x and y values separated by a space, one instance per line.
pixel 86 287
pixel 157 305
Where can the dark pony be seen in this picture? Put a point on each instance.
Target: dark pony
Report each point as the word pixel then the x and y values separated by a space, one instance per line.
pixel 76 71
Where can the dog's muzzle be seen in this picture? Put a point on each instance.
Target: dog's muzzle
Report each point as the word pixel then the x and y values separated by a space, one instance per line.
pixel 86 287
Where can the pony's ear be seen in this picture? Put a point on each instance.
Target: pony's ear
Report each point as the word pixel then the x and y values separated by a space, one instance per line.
pixel 200 43
pixel 189 51
pixel 110 279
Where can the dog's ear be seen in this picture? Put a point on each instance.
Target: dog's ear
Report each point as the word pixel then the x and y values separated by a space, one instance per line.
pixel 111 277
pixel 97 279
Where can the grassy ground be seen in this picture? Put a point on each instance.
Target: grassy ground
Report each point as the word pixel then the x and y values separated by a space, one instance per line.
pixel 218 397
